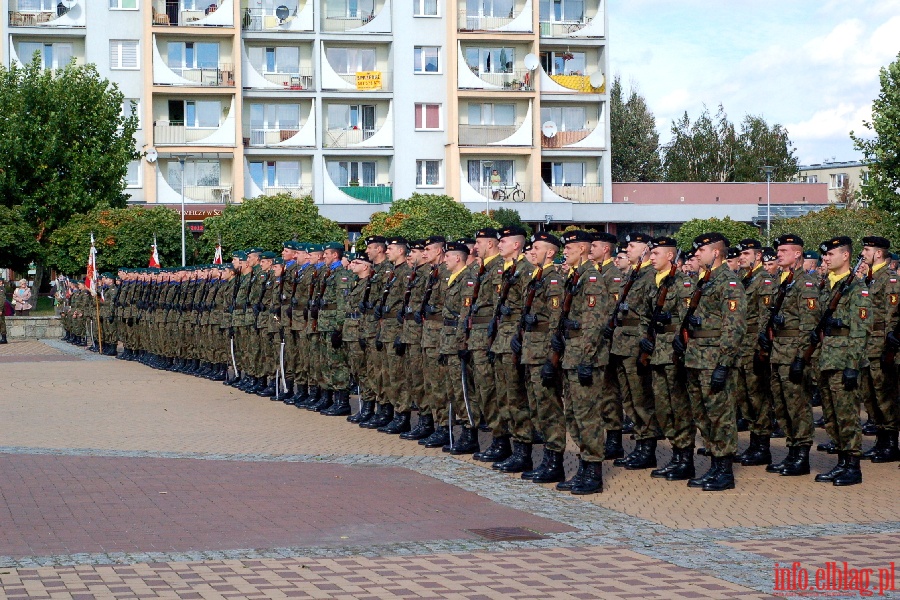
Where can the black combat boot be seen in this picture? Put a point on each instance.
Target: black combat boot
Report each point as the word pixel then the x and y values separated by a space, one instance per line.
pixel 566 485
pixel 819 423
pixel 259 383
pixel 624 460
pixel 800 464
pixel 439 438
pixel 220 374
pixel 724 477
pixel 613 449
pixel 661 472
pixel 323 404
pixel 498 451
pixel 699 482
pixel 95 347
pixel 777 431
pixel 545 457
pixel 3 339
pixel 466 442
pixel 777 467
pixel 890 452
pixel 268 390
pixel 424 427
pixel 869 428
pixel 646 459
pixel 830 447
pixel 551 469
pixel 366 410
pixel 591 481
pixel 313 395
pixel 382 418
pixel 628 425
pixel 376 412
pixel 759 453
pixel 519 462
pixel 852 474
pixel 880 443
pixel 399 425
pixel 684 470
pixel 839 468
pixel 341 406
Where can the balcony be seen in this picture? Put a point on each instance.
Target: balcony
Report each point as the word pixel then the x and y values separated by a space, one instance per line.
pixel 219 76
pixel 564 138
pixel 179 13
pixel 516 80
pixel 261 19
pixel 50 14
pixel 348 17
pixel 175 133
pixel 297 82
pixel 516 20
pixel 483 135
pixel 583 193
pixel 373 194
pixel 218 194
pixel 296 191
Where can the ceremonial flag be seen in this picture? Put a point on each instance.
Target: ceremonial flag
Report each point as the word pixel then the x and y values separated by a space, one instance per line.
pixel 90 279
pixel 154 255
pixel 217 259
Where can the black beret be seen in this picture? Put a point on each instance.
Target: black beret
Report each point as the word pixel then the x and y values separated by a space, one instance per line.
pixel 417 245
pixel 528 245
pixel 512 231
pixel 435 239
pixel 733 252
pixel 709 238
pixel 487 232
pixel 788 239
pixel 456 247
pixel 622 248
pixel 663 242
pixel 606 237
pixel 768 254
pixel 543 236
pixel 576 235
pixel 635 236
pixel 836 242
pixel 362 256
pixel 876 241
pixel 895 256
pixel 398 241
pixel 466 240
pixel 749 244
pixel 376 239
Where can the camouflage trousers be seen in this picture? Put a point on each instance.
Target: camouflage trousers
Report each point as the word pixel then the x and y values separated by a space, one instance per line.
pixel 546 405
pixel 840 409
pixel 754 396
pixel 611 406
pixel 582 407
pixel 390 380
pixel 243 349
pixel 450 376
pixel 413 388
pixel 3 322
pixel 792 408
pixel 334 372
pixel 301 358
pixel 714 413
pixel 432 386
pixel 512 399
pixel 673 407
pixel 483 394
pixel 637 392
pixel 879 391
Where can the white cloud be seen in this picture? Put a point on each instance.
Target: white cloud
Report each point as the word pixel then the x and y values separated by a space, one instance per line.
pixel 832 122
pixel 837 44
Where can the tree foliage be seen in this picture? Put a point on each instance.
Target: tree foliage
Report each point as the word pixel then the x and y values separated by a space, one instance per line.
pixel 422 215
pixel 711 149
pixel 509 217
pixel 882 152
pixel 267 221
pixel 816 227
pixel 122 236
pixel 18 245
pixel 64 143
pixel 733 230
pixel 635 141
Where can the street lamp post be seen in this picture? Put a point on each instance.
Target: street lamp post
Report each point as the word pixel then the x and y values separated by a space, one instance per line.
pixel 181 160
pixel 768 170
pixel 488 164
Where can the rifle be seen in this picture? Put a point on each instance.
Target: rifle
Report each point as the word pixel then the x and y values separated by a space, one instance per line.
pixel 783 287
pixel 531 292
pixel 644 357
pixel 632 277
pixel 571 284
pixel 824 323
pixel 384 296
pixel 317 303
pixel 293 302
pixel 684 330
pixel 204 291
pixel 509 277
pixel 476 290
pixel 429 289
pixel 311 292
pixel 401 316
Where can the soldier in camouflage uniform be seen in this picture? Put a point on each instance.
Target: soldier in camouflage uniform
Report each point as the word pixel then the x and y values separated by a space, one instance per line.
pixel 239 318
pixel 842 358
pixel 267 325
pixel 3 312
pixel 381 413
pixel 716 332
pixel 879 383
pixel 107 314
pixel 353 335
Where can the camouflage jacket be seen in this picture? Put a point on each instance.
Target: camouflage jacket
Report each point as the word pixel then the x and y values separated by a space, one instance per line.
pixel 388 327
pixel 546 307
pixel 433 317
pixel 241 306
pixel 845 347
pixel 722 311
pixel 800 312
pixel 759 288
pixel 334 304
pixel 416 283
pixel 678 297
pixel 628 333
pixel 354 324
pixel 884 294
pixel 589 312
pixel 300 295
pixel 488 293
pixel 457 295
pixel 511 312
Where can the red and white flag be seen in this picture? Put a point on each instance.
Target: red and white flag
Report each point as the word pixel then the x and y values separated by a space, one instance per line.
pixel 154 256
pixel 90 279
pixel 217 259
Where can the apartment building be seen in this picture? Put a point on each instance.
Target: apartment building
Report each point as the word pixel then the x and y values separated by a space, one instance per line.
pixel 355 102
pixel 844 178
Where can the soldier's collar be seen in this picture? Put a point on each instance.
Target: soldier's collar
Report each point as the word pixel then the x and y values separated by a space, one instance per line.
pixel 878 267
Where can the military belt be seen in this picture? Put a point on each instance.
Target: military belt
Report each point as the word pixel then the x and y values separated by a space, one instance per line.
pixel 451 322
pixel 329 306
pixel 672 328
pixel 838 332
pixel 786 333
pixel 481 320
pixel 540 327
pixel 703 334
pixel 631 322
pixel 574 333
pixel 433 317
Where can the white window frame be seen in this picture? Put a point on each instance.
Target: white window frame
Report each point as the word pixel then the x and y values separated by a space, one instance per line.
pixel 422 170
pixel 136 185
pixel 419 9
pixel 118 3
pixel 425 106
pixel 420 62
pixel 54 53
pixel 126 104
pixel 117 47
pixel 838 180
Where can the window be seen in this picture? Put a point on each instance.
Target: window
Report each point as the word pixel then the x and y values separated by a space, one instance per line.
pixel 425 8
pixel 276 173
pixel 275 116
pixel 428 116
pixel 352 116
pixel 350 9
pixel 195 113
pixel 562 11
pixel 196 173
pixel 810 179
pixel 123 4
pixel 492 114
pixel 428 173
pixel 37 5
pixel 426 59
pixel 567 118
pixel 343 173
pixel 839 180
pixel 564 62
pixel 123 54
pixel 52 56
pixel 132 106
pixel 193 55
pixel 133 175
pixel 864 177
pixel 348 61
pixel 504 9
pixel 480 171
pixel 491 60
pixel 567 173
pixel 284 59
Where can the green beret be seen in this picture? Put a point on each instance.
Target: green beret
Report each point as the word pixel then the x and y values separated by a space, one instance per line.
pixel 107 275
pixel 301 247
pixel 278 261
pixel 256 250
pixel 239 254
pixel 268 255
pixel 315 247
pixel 290 245
pixel 333 246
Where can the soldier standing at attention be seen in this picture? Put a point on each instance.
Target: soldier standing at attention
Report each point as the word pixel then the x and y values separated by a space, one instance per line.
pixel 716 331
pixel 798 317
pixel 879 382
pixel 332 310
pixel 842 357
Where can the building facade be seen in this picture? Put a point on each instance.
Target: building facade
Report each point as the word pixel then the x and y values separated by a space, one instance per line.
pixel 844 179
pixel 354 102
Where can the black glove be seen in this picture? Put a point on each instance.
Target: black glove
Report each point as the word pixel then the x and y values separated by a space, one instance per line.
pixel 492 329
pixel 608 332
pixel 492 357
pixel 557 343
pixel 417 317
pixel 760 367
pixel 463 354
pixel 718 379
pixel 778 320
pixel 548 375
pixel 505 310
pixel 891 342
pixel 695 321
pixel 647 346
pixel 362 344
pixel 850 379
pixel 515 344
pixel 399 347
pixel 530 320
pixel 664 318
pixel 814 338
pixel 765 344
pixel 337 339
pixel 571 324
pixel 585 375
pixel 361 306
pixel 379 345
pixel 442 360
pixel 678 345
pixel 378 312
pixel 795 373
pixel 400 317
pixel 836 323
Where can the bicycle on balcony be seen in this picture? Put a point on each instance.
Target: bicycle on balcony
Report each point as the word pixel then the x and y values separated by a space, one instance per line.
pixel 514 193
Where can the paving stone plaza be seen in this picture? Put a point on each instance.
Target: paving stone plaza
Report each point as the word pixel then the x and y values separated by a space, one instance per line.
pixel 119 481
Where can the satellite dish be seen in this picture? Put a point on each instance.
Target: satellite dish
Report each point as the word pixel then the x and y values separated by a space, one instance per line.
pixel 68 3
pixel 282 12
pixel 597 80
pixel 531 62
pixel 151 155
pixel 549 129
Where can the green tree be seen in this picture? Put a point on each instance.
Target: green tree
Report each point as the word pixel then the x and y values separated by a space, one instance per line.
pixel 635 141
pixel 509 217
pixel 18 245
pixel 816 227
pixel 882 151
pixel 267 221
pixel 733 230
pixel 422 215
pixel 760 144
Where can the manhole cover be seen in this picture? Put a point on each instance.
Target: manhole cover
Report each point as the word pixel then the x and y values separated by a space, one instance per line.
pixel 507 534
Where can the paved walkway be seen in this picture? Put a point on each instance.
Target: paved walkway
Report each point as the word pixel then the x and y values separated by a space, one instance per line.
pixel 118 481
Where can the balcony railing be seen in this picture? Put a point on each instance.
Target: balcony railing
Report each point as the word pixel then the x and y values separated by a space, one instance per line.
pixel 165 132
pixel 49 16
pixel 260 19
pixel 302 80
pixel 220 76
pixel 343 138
pixel 564 138
pixel 518 80
pixel 339 21
pixel 383 83
pixel 171 13
pixel 258 138
pixel 475 22
pixel 578 83
pixel 583 192
pixel 373 194
pixel 207 193
pixel 297 191
pixel 505 193
pixel 482 135
pixel 556 29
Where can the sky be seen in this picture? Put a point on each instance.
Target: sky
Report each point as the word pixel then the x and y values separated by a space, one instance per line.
pixel 809 66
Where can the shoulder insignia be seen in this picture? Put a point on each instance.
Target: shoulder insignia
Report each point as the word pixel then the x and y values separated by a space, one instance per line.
pixel 554 282
pixel 592 279
pixel 893 280
pixel 767 282
pixel 811 303
pixel 864 293
pixel 732 305
pixel 687 284
pixel 592 301
pixel 344 278
pixel 894 298
pixel 499 271
pixel 617 279
pixel 863 313
pixel 732 284
pixel 467 301
pixel 554 302
pixel 810 284
pixel 470 283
